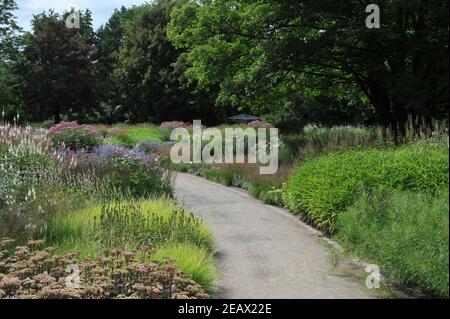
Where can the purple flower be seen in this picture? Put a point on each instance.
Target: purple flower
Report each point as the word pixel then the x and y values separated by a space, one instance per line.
pixel 118 152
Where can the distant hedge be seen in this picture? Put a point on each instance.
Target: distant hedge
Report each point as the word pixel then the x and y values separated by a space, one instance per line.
pixel 323 187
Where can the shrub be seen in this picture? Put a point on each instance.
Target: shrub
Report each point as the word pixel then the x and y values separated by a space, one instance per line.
pixel 36 188
pixel 130 171
pixel 290 148
pixel 26 272
pixel 405 232
pixel 61 127
pixel 70 135
pixel 322 188
pixel 274 197
pixel 263 187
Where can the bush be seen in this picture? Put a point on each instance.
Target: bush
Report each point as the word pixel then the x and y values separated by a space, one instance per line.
pixel 131 172
pixel 70 135
pixel 405 232
pixel 267 188
pixel 322 188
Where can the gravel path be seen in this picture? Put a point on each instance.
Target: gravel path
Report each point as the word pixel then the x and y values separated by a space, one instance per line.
pixel 265 252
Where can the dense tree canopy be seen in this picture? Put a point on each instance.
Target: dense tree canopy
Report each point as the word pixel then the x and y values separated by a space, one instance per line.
pixel 10 93
pixel 59 70
pixel 290 61
pixel 267 53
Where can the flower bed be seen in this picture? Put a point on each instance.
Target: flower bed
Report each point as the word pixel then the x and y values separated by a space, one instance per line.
pixel 44 187
pixel 26 272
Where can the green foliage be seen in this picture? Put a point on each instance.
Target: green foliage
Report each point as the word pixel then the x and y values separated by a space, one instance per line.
pixel 59 68
pixel 159 225
pixel 147 70
pixel 322 188
pixel 224 177
pixel 197 263
pixel 247 177
pixel 275 57
pixel 8 30
pixel 130 136
pixel 75 139
pixel 124 140
pixel 128 224
pixel 274 197
pixel 405 232
pixel 136 178
pixel 11 83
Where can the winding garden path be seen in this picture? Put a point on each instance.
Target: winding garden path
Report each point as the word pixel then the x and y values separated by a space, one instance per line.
pixel 265 252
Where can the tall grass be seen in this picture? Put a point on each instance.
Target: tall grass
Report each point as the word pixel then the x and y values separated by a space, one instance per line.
pixel 197 262
pixel 159 224
pixel 322 188
pixel 128 224
pixel 405 232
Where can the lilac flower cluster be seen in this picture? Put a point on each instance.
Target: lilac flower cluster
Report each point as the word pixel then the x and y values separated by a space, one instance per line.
pixel 59 129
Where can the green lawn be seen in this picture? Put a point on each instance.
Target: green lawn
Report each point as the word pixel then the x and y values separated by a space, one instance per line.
pixel 128 135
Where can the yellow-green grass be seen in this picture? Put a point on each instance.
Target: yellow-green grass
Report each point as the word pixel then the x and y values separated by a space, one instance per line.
pixel 131 225
pixel 192 260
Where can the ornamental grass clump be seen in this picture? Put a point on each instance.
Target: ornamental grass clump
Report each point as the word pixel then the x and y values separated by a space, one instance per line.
pixel 407 233
pixel 127 224
pixel 34 272
pixel 323 187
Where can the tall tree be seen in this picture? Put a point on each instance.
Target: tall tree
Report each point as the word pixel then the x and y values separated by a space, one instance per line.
pixel 8 29
pixel 151 82
pixel 10 81
pixel 321 47
pixel 110 37
pixel 59 70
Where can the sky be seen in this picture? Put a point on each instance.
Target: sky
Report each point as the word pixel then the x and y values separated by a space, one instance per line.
pixel 101 9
